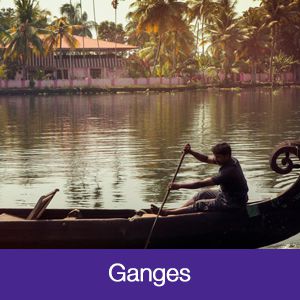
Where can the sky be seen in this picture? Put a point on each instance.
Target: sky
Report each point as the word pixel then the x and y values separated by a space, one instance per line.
pixel 104 10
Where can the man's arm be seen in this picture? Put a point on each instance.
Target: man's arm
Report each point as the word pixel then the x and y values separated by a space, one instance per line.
pixel 193 185
pixel 201 157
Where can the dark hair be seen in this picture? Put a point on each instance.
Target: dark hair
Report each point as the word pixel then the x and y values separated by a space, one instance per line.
pixel 221 148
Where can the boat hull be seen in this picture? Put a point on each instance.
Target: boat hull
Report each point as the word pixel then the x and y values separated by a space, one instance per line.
pixel 118 229
pixel 260 224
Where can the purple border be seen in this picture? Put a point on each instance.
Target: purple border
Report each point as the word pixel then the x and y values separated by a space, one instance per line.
pixel 215 274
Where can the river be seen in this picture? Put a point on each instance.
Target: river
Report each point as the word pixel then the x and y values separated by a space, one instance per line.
pixel 120 151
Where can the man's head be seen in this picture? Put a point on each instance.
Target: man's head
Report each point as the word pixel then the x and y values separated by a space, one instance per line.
pixel 222 153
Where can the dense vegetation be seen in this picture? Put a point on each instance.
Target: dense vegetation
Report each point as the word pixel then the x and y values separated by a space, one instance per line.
pixel 187 38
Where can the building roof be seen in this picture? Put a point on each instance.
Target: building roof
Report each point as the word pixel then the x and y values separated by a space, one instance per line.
pixel 94 44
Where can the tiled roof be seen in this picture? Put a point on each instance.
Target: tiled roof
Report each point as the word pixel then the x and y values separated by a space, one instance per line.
pixel 90 44
pixel 93 44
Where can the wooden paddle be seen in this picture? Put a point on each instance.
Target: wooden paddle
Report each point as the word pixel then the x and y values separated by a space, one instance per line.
pixel 165 200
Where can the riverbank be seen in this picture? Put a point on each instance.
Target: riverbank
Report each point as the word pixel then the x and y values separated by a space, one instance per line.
pixel 134 89
pixel 93 90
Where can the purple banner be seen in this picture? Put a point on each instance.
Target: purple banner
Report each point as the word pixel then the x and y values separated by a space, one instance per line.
pixel 149 274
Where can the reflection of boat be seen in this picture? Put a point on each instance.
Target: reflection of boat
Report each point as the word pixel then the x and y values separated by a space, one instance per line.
pixel 263 223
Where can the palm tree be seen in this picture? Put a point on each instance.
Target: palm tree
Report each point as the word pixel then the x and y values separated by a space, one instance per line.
pixel 148 18
pixel 283 63
pixel 108 31
pixel 137 66
pixel 58 31
pixel 176 48
pixel 6 21
pixel 224 36
pixel 288 39
pixel 134 37
pixel 255 43
pixel 71 12
pixel 44 18
pixel 7 18
pixel 180 42
pixel 75 16
pixel 3 35
pixel 289 36
pixel 203 11
pixel 23 38
pixel 276 13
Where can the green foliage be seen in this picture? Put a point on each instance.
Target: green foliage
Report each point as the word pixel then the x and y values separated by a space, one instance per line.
pixel 165 36
pixel 23 37
pixel 3 71
pixel 189 68
pixel 58 30
pixel 205 61
pixel 75 16
pixel 11 68
pixel 38 74
pixel 7 18
pixel 224 36
pixel 283 63
pixel 108 31
pixel 137 67
pixel 277 13
pixel 168 33
pixel 233 44
pixel 27 10
pixel 202 12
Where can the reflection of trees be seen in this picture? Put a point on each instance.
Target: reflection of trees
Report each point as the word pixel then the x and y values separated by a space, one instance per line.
pixel 157 126
pixel 162 122
pixel 97 149
pixel 254 121
pixel 42 134
pixel 257 111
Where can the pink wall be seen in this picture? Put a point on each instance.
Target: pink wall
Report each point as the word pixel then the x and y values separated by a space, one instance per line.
pixel 14 83
pixel 122 82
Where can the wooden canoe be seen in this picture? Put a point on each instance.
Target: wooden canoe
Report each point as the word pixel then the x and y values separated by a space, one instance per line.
pixel 262 223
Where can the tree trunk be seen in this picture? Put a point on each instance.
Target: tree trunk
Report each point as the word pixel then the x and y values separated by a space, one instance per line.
pixel 24 62
pixel 157 55
pixel 226 69
pixel 197 36
pixel 23 59
pixel 160 67
pixel 271 57
pixel 202 36
pixel 60 58
pixel 253 76
pixel 84 59
pixel 174 53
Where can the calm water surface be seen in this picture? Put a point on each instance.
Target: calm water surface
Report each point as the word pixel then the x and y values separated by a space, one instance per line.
pixel 120 151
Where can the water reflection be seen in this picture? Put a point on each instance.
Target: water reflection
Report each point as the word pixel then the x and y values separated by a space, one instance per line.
pixel 122 150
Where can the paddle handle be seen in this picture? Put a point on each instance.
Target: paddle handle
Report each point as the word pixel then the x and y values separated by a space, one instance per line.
pixel 173 180
pixel 165 199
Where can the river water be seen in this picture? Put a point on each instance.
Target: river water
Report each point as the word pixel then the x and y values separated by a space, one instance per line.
pixel 120 151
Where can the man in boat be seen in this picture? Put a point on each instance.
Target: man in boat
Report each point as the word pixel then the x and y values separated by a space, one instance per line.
pixel 233 193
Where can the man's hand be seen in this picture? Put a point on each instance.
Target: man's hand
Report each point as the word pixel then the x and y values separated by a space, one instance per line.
pixel 174 186
pixel 187 149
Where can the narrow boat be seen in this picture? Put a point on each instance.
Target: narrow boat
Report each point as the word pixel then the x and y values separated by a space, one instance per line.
pixel 263 222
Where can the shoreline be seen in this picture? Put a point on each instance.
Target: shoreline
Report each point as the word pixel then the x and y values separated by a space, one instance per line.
pixel 134 89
